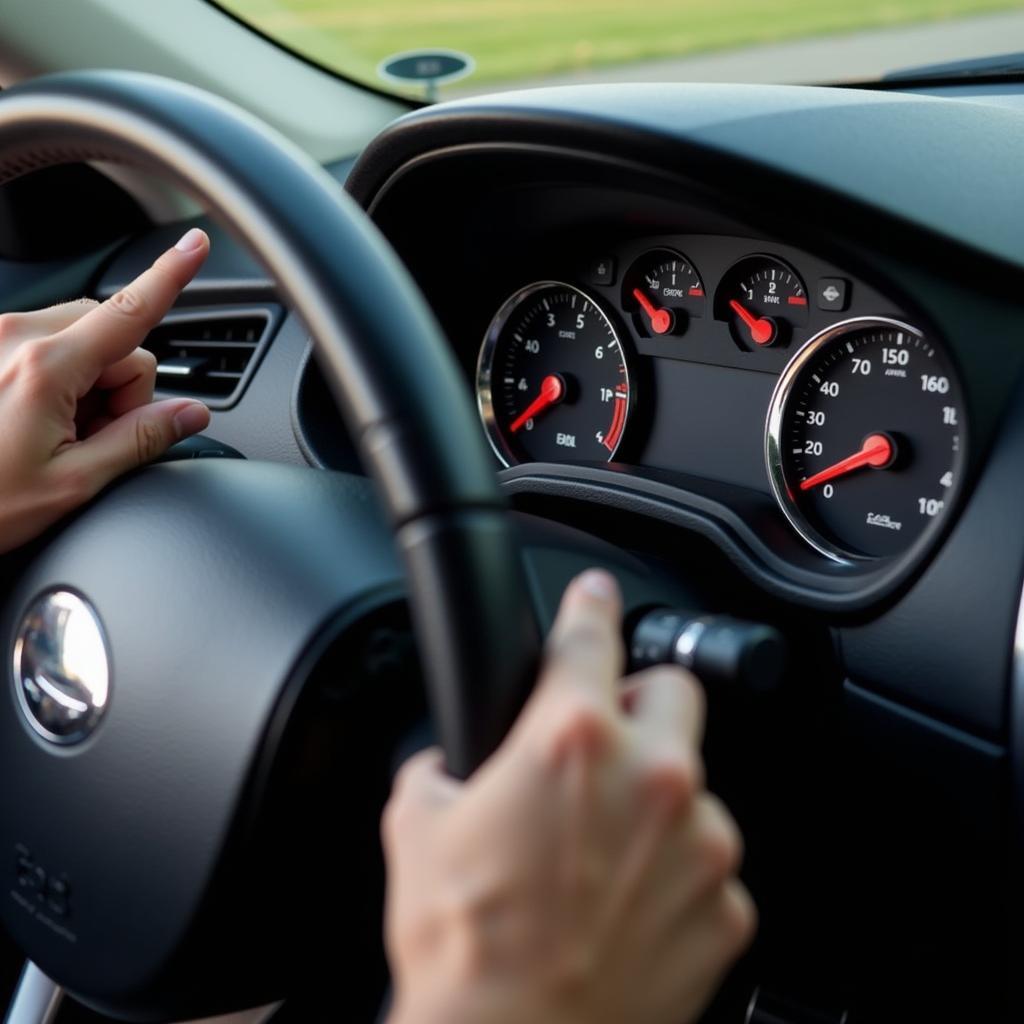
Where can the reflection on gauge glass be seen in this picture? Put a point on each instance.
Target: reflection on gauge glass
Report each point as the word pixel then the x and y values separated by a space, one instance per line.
pixel 553 382
pixel 866 437
pixel 763 299
pixel 662 290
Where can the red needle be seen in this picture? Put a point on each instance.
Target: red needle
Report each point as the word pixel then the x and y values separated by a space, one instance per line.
pixel 762 330
pixel 551 390
pixel 876 451
pixel 661 319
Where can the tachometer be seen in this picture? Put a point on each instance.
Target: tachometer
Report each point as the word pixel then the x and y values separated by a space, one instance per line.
pixel 552 379
pixel 865 438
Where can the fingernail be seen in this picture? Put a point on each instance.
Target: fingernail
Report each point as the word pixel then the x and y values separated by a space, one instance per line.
pixel 191 419
pixel 191 240
pixel 597 583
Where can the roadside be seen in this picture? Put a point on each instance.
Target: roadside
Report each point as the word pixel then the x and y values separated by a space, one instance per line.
pixel 514 42
pixel 820 59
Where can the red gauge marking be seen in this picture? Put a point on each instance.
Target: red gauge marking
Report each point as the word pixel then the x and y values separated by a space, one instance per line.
pixel 618 422
pixel 762 330
pixel 797 300
pixel 661 319
pixel 697 293
pixel 877 451
pixel 552 390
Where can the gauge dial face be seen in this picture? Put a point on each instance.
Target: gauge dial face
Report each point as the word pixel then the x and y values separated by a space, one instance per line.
pixel 865 439
pixel 763 299
pixel 552 380
pixel 662 290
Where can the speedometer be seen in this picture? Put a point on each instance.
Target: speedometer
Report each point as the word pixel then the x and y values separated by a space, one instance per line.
pixel 865 438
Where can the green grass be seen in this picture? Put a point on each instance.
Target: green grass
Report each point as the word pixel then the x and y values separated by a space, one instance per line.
pixel 525 39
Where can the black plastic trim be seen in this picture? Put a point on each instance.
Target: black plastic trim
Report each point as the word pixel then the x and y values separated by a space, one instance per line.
pixel 272 315
pixel 821 585
pixel 1016 751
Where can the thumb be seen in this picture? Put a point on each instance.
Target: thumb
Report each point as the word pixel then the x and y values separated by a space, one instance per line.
pixel 583 662
pixel 134 439
pixel 422 788
pixel 585 648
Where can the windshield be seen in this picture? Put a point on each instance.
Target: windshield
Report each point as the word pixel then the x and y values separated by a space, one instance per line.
pixel 443 48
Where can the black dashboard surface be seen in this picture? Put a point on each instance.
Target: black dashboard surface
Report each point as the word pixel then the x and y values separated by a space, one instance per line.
pixel 480 197
pixel 905 155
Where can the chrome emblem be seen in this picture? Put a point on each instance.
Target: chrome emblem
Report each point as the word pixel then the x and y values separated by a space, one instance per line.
pixel 62 667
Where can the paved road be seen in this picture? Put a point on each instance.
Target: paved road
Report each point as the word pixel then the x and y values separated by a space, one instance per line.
pixel 818 59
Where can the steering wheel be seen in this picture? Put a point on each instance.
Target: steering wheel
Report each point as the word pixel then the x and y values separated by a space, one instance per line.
pixel 210 584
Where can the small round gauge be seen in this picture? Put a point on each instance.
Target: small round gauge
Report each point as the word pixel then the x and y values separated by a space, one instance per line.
pixel 552 378
pixel 865 438
pixel 763 299
pixel 661 291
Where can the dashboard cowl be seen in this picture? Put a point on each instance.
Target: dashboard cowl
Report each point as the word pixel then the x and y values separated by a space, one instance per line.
pixel 902 156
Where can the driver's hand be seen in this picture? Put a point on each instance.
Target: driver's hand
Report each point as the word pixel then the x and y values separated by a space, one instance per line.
pixel 76 394
pixel 583 875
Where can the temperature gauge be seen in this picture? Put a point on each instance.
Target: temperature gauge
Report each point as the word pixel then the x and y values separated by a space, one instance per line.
pixel 662 290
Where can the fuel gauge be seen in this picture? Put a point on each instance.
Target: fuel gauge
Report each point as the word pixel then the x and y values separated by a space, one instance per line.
pixel 661 291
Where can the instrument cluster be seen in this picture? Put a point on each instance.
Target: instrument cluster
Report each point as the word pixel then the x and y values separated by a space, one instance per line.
pixel 650 357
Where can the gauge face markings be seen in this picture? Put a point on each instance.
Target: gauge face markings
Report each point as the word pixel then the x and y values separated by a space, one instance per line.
pixel 662 291
pixel 774 287
pixel 673 279
pixel 553 381
pixel 763 299
pixel 866 438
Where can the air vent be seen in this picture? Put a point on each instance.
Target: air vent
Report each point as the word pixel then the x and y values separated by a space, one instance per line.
pixel 212 353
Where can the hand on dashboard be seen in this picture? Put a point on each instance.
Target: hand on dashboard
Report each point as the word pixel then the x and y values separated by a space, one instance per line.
pixel 583 874
pixel 76 390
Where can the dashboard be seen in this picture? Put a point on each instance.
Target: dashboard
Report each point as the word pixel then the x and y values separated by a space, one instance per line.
pixel 764 340
pixel 664 330
pixel 713 356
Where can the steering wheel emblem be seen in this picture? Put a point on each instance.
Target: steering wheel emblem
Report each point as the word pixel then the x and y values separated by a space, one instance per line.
pixel 62 667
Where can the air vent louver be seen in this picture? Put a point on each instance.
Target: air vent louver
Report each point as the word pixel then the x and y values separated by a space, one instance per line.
pixel 210 354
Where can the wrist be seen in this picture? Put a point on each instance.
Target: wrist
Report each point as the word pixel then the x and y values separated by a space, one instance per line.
pixel 440 1004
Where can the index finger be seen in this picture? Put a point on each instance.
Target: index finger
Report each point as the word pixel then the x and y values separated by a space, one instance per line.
pixel 16 328
pixel 115 328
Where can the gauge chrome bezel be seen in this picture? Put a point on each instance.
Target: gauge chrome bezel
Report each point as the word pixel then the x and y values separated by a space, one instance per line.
pixel 776 415
pixel 485 366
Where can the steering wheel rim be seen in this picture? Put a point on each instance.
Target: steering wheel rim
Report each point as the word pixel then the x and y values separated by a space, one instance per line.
pixel 384 356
